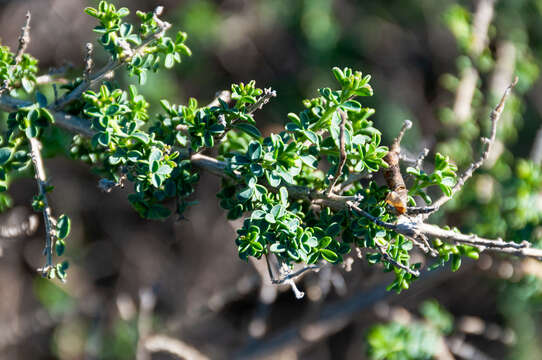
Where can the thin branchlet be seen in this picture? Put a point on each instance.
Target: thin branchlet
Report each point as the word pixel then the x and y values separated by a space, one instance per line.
pixel 287 276
pixel 342 151
pixel 384 252
pixel 41 180
pixel 487 142
pixel 111 66
pixel 24 40
pixel 258 105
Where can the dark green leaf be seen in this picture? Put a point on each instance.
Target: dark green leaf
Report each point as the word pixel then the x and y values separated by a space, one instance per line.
pixel 41 99
pixel 158 212
pixel 245 194
pixel 5 155
pixel 249 129
pixel 63 226
pixel 60 246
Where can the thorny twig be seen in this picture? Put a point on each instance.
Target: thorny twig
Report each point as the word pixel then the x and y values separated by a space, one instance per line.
pixel 37 161
pixel 425 241
pixel 384 252
pixel 268 93
pixel 111 66
pixel 342 152
pixel 24 39
pixel 41 179
pixel 494 117
pixel 407 124
pixel 289 277
pixel 421 157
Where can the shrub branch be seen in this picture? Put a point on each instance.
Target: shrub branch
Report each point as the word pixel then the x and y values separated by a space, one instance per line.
pixel 41 179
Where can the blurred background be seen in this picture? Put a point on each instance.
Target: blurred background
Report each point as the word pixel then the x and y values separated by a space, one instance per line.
pixel 147 290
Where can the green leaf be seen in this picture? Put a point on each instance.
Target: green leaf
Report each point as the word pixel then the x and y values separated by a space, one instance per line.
pixel 156 180
pixel 249 129
pixel 47 115
pixel 277 248
pixel 257 215
pixel 254 150
pixel 28 85
pixel 338 74
pixel 270 218
pixel 313 258
pixel 91 11
pixel 245 194
pixel 144 138
pixel 169 61
pixel 333 229
pixel 155 155
pixel 142 77
pixel 112 109
pixel 257 246
pixel 309 160
pixel 311 136
pixel 352 105
pixel 324 242
pixel 31 131
pixel 272 178
pixel 122 12
pixel 367 90
pixel 5 155
pixel 329 255
pixel 283 196
pixel 41 99
pixel 60 246
pixel 164 170
pixel 158 212
pixel 103 139
pixel 166 105
pixel 63 227
pixel 456 262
